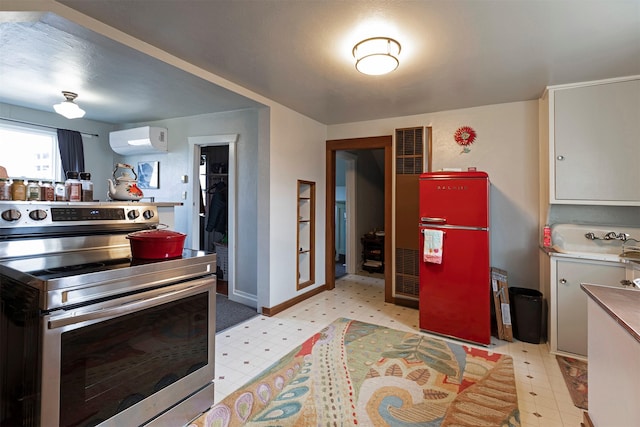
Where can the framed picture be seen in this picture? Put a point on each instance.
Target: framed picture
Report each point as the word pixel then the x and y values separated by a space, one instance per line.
pixel 149 174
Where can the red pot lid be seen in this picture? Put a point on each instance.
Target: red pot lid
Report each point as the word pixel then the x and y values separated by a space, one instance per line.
pixel 155 234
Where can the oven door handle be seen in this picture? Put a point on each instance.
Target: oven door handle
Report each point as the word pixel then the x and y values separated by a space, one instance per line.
pixel 139 302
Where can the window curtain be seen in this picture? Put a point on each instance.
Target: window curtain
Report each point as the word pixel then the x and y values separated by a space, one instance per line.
pixel 71 150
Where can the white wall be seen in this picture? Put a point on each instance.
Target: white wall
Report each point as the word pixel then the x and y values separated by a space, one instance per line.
pixel 507 149
pixel 297 151
pixel 597 214
pixel 177 162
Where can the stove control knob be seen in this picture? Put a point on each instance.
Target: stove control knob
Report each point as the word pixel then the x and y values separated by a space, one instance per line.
pixel 38 215
pixel 148 214
pixel 11 215
pixel 133 214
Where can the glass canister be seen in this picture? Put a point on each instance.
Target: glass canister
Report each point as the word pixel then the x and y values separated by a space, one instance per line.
pixel 33 190
pixel 87 187
pixel 60 192
pixel 5 189
pixel 18 189
pixel 47 191
pixel 73 187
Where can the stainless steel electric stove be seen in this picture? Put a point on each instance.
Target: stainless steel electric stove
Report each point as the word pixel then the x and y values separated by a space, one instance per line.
pixel 92 336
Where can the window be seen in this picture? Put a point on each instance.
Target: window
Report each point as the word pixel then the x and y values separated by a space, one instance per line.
pixel 30 153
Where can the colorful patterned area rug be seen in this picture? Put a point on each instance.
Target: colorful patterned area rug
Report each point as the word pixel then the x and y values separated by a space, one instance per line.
pixel 358 374
pixel 574 372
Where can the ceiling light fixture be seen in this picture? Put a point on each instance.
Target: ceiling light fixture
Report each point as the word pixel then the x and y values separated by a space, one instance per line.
pixel 68 108
pixel 377 55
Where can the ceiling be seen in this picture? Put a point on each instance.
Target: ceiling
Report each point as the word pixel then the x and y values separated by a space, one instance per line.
pixel 455 54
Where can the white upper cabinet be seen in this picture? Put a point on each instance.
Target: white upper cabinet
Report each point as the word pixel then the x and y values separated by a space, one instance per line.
pixel 594 142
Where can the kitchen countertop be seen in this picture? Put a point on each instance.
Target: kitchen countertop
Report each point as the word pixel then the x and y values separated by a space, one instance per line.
pixel 144 201
pixel 623 305
pixel 161 204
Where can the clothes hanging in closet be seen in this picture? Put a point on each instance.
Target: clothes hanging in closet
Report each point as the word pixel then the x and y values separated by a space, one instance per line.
pixel 217 215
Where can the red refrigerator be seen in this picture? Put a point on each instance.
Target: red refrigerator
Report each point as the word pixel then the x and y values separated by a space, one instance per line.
pixel 454 295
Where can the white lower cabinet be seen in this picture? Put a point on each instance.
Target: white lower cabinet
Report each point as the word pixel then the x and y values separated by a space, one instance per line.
pixel 569 307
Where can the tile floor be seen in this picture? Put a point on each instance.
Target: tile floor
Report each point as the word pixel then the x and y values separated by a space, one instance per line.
pixel 250 347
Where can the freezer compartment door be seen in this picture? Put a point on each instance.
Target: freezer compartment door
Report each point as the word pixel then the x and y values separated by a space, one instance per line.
pixel 454 200
pixel 454 297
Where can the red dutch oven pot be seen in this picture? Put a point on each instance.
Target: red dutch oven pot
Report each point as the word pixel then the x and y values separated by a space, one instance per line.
pixel 156 244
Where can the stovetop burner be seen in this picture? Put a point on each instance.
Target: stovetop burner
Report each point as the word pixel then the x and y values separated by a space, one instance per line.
pixel 56 272
pixel 74 268
pixel 78 269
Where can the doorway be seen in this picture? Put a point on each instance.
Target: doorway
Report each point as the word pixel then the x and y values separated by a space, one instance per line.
pixel 214 181
pixel 346 214
pixel 332 148
pixel 213 203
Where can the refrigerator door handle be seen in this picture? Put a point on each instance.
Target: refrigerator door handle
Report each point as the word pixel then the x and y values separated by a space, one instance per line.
pixel 453 227
pixel 433 220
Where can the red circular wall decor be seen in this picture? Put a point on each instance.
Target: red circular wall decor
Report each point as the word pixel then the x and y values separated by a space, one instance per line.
pixel 464 137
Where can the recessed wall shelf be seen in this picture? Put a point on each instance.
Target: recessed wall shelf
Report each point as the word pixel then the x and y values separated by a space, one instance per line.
pixel 305 244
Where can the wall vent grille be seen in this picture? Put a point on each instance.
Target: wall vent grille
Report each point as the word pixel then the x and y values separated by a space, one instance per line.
pixel 407 273
pixel 409 150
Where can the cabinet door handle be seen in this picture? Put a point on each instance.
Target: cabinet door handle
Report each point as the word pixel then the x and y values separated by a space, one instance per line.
pixel 560 157
pixel 563 281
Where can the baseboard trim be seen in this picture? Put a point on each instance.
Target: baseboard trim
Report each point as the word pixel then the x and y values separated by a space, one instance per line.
pixel 272 311
pixel 406 302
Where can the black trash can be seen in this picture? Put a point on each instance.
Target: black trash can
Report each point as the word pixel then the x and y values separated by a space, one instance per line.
pixel 526 314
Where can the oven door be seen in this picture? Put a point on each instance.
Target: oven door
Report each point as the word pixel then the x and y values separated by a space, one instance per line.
pixel 128 360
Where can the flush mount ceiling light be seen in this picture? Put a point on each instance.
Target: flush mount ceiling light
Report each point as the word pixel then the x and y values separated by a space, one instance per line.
pixel 68 108
pixel 377 55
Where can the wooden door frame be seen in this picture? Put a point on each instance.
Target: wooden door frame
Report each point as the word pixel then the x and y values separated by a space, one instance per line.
pixel 370 143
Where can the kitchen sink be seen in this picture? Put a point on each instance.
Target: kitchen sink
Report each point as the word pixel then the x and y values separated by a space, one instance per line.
pixel 571 239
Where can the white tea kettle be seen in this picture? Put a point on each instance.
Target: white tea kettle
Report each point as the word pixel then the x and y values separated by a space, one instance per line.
pixel 124 187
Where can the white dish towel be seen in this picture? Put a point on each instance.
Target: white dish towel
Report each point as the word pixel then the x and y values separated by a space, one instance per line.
pixel 432 250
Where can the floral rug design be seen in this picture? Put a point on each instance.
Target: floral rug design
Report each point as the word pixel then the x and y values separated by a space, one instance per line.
pixel 574 372
pixel 358 374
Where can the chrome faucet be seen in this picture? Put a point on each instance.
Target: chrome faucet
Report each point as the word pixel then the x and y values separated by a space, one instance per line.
pixel 611 235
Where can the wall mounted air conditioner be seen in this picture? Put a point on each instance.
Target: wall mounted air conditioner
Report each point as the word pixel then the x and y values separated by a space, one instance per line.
pixel 143 140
